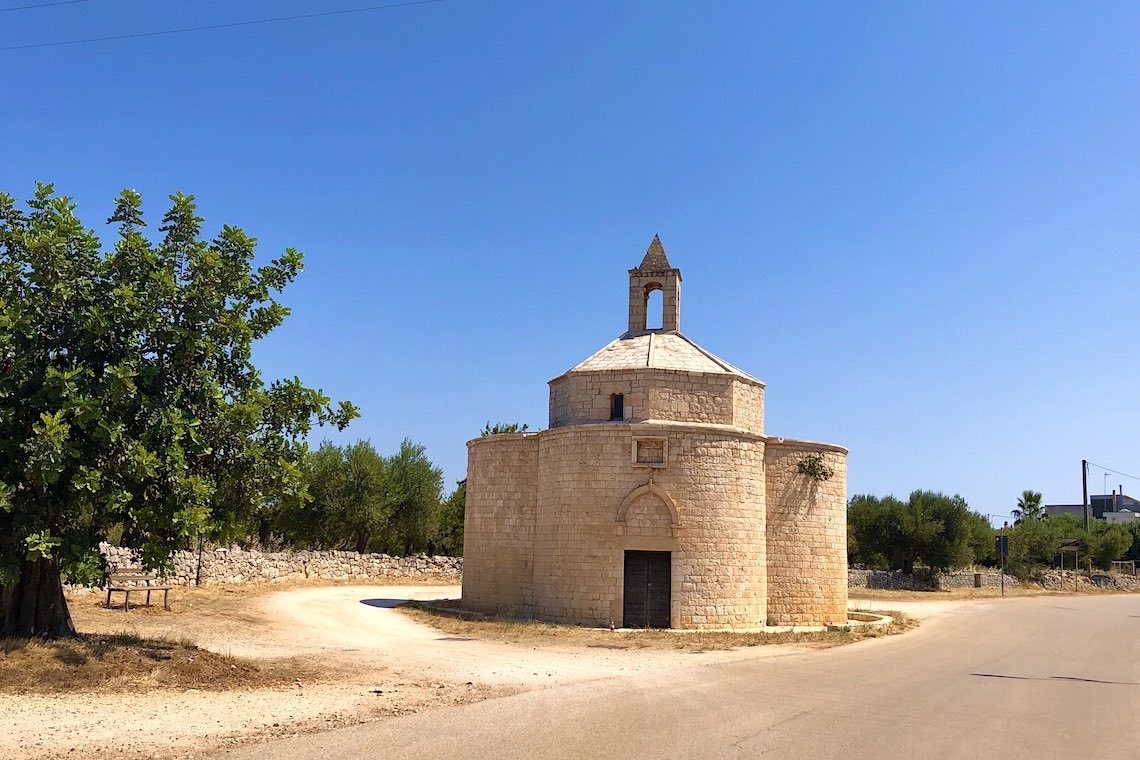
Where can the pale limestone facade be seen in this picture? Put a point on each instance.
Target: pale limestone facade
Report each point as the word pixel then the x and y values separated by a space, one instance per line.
pixel 655 494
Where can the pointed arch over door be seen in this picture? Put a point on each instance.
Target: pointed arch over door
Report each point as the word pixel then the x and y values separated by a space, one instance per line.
pixel 656 490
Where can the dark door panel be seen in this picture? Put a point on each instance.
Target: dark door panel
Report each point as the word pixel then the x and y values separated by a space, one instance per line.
pixel 648 590
pixel 658 595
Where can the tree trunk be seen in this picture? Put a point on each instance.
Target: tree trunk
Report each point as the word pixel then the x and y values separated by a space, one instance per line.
pixel 34 605
pixel 264 534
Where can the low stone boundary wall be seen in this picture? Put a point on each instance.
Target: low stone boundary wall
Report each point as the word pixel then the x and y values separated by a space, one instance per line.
pixel 923 581
pixel 235 565
pixel 1055 581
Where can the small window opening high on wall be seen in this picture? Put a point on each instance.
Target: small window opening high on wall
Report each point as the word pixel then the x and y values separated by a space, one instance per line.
pixel 617 406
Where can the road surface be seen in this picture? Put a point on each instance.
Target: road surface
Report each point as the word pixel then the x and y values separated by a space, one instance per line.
pixel 1036 677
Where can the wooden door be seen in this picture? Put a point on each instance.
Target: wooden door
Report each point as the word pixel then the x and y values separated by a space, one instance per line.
pixel 648 590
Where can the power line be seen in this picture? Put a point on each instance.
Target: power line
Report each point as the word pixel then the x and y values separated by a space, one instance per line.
pixel 1115 472
pixel 228 25
pixel 42 5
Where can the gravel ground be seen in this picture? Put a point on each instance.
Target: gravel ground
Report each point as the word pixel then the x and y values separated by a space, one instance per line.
pixel 374 662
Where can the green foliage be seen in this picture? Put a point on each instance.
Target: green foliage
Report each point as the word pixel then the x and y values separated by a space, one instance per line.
pixel 930 528
pixel 128 398
pixel 1029 507
pixel 84 568
pixel 362 501
pixel 414 486
pixel 1108 543
pixel 451 516
pixel 503 427
pixel 980 539
pixel 814 467
pixel 41 545
pixel 1033 543
pixel 348 505
pixel 1133 552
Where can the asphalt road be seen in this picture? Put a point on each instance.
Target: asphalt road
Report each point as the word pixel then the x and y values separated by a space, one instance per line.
pixel 1039 677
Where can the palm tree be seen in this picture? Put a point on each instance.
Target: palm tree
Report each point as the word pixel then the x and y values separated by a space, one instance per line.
pixel 1028 507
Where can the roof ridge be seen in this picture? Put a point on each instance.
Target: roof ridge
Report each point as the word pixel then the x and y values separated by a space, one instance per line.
pixel 600 350
pixel 731 368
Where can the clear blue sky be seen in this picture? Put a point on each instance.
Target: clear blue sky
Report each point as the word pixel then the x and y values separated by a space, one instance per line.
pixel 916 222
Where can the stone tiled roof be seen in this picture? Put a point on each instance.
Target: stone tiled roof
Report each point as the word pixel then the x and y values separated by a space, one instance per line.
pixel 658 350
pixel 655 259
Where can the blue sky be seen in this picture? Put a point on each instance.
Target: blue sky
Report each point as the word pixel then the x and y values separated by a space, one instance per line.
pixel 916 222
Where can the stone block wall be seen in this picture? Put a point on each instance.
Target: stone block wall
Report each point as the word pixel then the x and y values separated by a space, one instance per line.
pixel 586 473
pixel 656 394
pixel 704 503
pixel 748 407
pixel 688 397
pixel 718 480
pixel 234 565
pixel 499 523
pixel 807 535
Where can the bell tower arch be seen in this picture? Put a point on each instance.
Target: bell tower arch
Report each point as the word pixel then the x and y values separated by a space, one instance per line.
pixel 654 274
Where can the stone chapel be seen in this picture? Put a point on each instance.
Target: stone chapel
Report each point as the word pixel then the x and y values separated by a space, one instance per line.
pixel 655 498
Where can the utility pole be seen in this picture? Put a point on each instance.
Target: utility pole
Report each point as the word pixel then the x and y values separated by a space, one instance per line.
pixel 1085 489
pixel 1003 549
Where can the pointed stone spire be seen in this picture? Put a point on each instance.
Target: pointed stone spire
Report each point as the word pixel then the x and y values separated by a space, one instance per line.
pixel 655 259
pixel 655 273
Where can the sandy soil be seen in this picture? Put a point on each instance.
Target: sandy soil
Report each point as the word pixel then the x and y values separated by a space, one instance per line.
pixel 918 609
pixel 374 661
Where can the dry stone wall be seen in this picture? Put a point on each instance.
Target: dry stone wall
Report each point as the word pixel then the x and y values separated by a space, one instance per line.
pixel 1058 581
pixel 919 581
pixel 1054 580
pixel 234 565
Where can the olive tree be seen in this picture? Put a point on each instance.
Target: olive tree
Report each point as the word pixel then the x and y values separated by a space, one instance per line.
pixel 934 529
pixel 128 398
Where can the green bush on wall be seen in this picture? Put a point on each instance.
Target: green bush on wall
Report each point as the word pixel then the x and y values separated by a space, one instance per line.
pixel 813 466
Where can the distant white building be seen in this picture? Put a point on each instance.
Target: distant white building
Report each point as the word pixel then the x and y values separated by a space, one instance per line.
pixel 1123 516
pixel 1110 507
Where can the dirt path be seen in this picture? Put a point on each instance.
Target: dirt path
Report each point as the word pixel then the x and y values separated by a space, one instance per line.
pixel 374 662
pixel 358 621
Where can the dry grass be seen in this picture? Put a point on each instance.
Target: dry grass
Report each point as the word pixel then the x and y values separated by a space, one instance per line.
pixel 152 648
pixel 529 632
pixel 190 609
pixel 125 662
pixel 218 607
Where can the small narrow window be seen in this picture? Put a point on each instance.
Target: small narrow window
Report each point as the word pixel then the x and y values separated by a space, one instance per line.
pixel 617 406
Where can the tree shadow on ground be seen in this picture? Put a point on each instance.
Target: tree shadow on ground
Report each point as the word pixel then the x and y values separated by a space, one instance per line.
pixel 384 603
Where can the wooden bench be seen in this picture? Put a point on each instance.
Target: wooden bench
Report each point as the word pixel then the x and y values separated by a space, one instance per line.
pixel 128 579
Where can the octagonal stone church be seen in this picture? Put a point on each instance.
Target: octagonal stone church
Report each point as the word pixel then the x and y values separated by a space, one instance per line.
pixel 655 499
